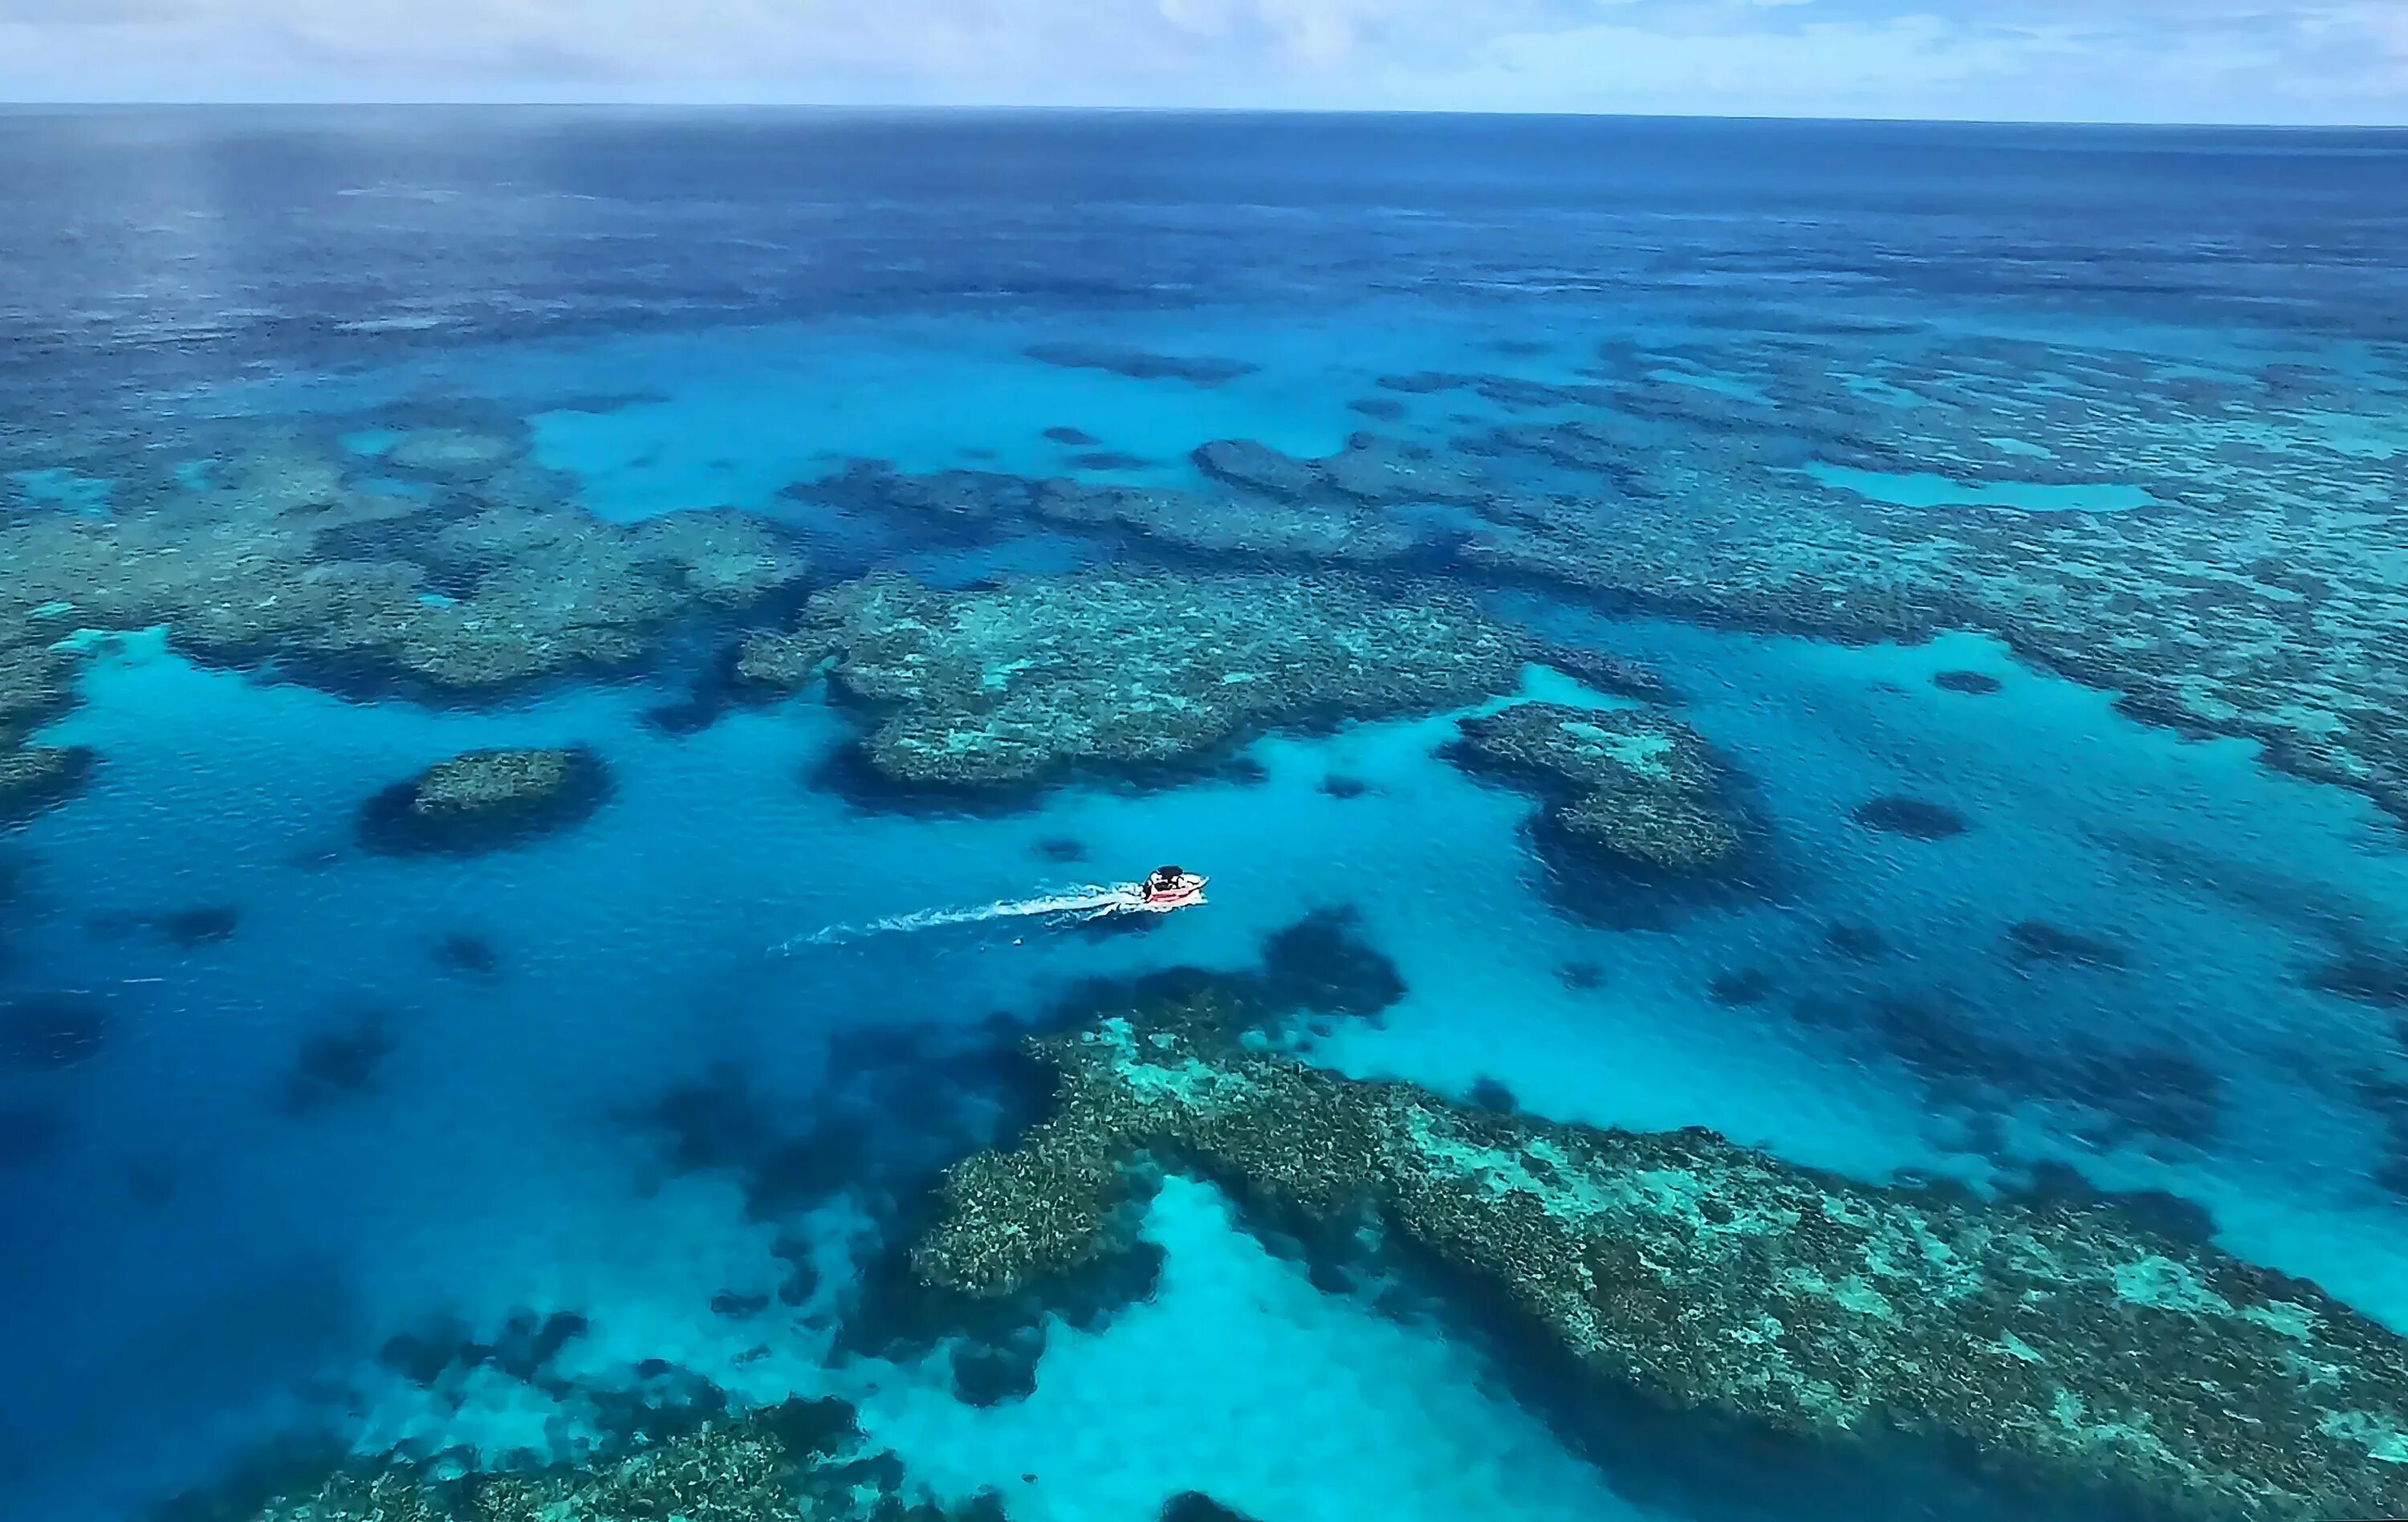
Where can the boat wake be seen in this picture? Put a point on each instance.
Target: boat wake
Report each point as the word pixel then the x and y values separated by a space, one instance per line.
pixel 1090 902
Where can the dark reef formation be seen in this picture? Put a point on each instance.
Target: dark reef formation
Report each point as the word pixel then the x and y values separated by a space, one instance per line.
pixel 338 1063
pixel 28 1135
pixel 2038 941
pixel 1374 501
pixel 482 800
pixel 2108 1094
pixel 49 1031
pixel 1631 782
pixel 469 954
pixel 1017 681
pixel 1139 364
pixel 523 1350
pixel 2368 976
pixel 1918 819
pixel 2071 1341
pixel 1195 1506
pixel 1972 683
pixel 1368 470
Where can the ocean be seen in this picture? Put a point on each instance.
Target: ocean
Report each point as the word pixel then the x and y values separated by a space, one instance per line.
pixel 584 695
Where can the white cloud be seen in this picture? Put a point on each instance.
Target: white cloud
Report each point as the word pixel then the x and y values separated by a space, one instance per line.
pixel 2123 59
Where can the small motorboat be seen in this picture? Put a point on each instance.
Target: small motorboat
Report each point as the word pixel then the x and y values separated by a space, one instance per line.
pixel 1170 887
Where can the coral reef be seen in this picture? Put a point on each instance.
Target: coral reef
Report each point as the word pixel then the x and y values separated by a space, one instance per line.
pixel 801 1461
pixel 1368 470
pixel 34 777
pixel 2208 543
pixel 1242 523
pixel 35 684
pixel 1629 781
pixel 1375 500
pixel 460 454
pixel 298 553
pixel 481 800
pixel 2073 1341
pixel 1013 683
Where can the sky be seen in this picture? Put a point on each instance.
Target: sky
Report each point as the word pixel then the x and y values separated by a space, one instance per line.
pixel 2246 61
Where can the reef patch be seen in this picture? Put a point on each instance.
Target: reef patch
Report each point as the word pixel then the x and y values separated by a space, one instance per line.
pixel 485 800
pixel 1632 784
pixel 1020 682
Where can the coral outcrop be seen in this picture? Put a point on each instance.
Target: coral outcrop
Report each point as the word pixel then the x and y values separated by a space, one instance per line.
pixel 1368 470
pixel 800 1461
pixel 483 799
pixel 2073 1342
pixel 1010 684
pixel 35 685
pixel 33 777
pixel 1630 782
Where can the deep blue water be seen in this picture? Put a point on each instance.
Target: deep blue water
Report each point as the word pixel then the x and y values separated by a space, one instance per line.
pixel 270 1100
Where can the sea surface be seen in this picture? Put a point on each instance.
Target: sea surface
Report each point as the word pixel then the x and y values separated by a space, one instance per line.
pixel 2014 515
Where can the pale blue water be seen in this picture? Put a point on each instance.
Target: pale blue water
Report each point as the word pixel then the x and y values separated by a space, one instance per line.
pixel 702 311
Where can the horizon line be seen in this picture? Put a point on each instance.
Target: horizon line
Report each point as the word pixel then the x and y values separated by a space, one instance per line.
pixel 1009 109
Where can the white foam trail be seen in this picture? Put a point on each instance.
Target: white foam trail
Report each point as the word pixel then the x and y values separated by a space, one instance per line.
pixel 1089 902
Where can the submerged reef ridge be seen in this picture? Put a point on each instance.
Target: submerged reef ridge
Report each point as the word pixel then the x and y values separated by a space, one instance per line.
pixel 1632 781
pixel 2064 1336
pixel 1239 523
pixel 1004 684
pixel 1375 500
pixel 800 1461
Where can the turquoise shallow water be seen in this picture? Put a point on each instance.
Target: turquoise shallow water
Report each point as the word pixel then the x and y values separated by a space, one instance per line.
pixel 283 1109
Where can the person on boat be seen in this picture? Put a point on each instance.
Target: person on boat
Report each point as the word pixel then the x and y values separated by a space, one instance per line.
pixel 1165 882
